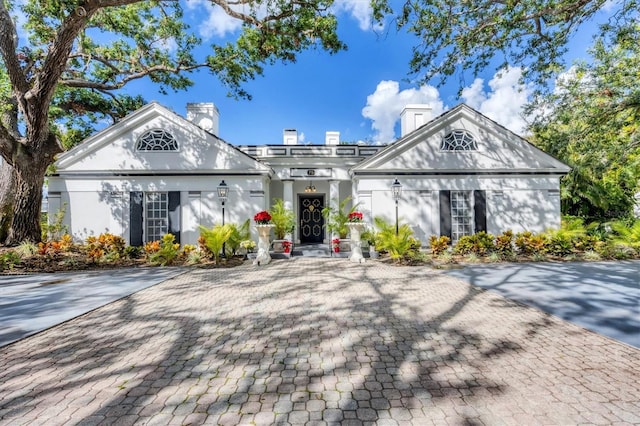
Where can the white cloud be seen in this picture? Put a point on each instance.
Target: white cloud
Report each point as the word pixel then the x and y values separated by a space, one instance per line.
pixel 360 10
pixel 504 102
pixel 386 103
pixel 217 23
pixel 609 6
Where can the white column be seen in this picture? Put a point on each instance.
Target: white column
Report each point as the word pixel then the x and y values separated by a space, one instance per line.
pixel 334 193
pixel 334 199
pixel 354 192
pixel 287 194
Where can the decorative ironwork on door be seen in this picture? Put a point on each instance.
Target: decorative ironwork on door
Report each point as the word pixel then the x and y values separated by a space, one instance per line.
pixel 311 220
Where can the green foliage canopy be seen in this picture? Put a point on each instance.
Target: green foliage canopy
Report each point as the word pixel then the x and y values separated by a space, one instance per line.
pixel 591 122
pixel 454 36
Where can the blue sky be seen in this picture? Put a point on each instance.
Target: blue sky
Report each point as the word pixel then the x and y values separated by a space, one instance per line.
pixel 359 92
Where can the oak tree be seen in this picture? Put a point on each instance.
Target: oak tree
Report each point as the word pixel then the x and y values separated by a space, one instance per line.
pixel 79 54
pixel 455 36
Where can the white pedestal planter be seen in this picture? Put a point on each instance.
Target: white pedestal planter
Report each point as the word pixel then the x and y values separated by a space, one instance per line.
pixel 355 229
pixel 264 232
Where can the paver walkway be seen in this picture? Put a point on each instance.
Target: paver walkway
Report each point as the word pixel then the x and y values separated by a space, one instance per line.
pixel 318 341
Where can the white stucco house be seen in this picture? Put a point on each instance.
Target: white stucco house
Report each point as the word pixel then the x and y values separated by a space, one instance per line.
pixel 156 172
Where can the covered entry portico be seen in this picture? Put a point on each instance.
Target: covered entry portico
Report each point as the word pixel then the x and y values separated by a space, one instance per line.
pixel 307 197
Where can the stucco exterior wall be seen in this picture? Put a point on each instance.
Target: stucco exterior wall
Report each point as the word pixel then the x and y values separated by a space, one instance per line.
pixel 102 205
pixel 518 203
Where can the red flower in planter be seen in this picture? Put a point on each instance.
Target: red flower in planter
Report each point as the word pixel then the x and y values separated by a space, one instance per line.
pixel 262 218
pixel 355 217
pixel 286 246
pixel 336 245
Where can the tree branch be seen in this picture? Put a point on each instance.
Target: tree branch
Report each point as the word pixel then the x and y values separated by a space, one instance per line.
pixel 7 144
pixel 8 46
pixel 81 83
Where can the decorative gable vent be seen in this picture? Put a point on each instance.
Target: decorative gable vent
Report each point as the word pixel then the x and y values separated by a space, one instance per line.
pixel 157 140
pixel 459 140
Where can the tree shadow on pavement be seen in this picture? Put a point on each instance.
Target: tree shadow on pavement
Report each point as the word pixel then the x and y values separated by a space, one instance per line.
pixel 292 342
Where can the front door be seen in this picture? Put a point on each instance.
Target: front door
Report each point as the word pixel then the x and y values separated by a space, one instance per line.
pixel 311 220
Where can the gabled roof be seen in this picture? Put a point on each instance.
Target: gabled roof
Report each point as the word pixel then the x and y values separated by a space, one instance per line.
pixel 81 156
pixel 500 151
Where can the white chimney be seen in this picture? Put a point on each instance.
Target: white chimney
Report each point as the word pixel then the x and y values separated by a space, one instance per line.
pixel 413 116
pixel 205 115
pixel 290 136
pixel 332 138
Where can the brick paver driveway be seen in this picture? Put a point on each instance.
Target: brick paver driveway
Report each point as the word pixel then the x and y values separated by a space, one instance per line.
pixel 314 341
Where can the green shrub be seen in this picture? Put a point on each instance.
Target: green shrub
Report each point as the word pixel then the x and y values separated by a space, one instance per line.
pixel 614 250
pixel 9 259
pixel 167 253
pixel 132 252
pixel 464 245
pixel 439 244
pixel 105 247
pixel 627 233
pixel 584 243
pixel 570 238
pixel 559 244
pixel 480 244
pixel 56 229
pixel 528 243
pixel 504 243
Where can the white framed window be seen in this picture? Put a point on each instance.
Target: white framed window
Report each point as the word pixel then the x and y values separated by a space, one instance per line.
pixel 156 215
pixel 461 214
pixel 459 140
pixel 157 140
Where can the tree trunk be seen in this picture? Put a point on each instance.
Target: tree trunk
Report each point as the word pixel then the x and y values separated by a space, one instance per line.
pixel 7 198
pixel 29 178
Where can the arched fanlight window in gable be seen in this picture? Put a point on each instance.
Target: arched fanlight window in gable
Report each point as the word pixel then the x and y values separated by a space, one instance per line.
pixel 157 140
pixel 459 140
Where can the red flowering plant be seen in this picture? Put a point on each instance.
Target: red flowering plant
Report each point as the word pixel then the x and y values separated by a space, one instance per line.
pixel 336 245
pixel 286 246
pixel 355 217
pixel 262 218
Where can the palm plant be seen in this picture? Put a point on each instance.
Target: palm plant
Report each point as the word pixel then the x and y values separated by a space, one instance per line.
pixel 337 218
pixel 283 219
pixel 627 233
pixel 238 234
pixel 397 245
pixel 215 238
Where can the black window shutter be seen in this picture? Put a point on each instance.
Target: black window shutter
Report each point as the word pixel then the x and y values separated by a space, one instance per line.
pixel 174 214
pixel 135 218
pixel 445 213
pixel 480 210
